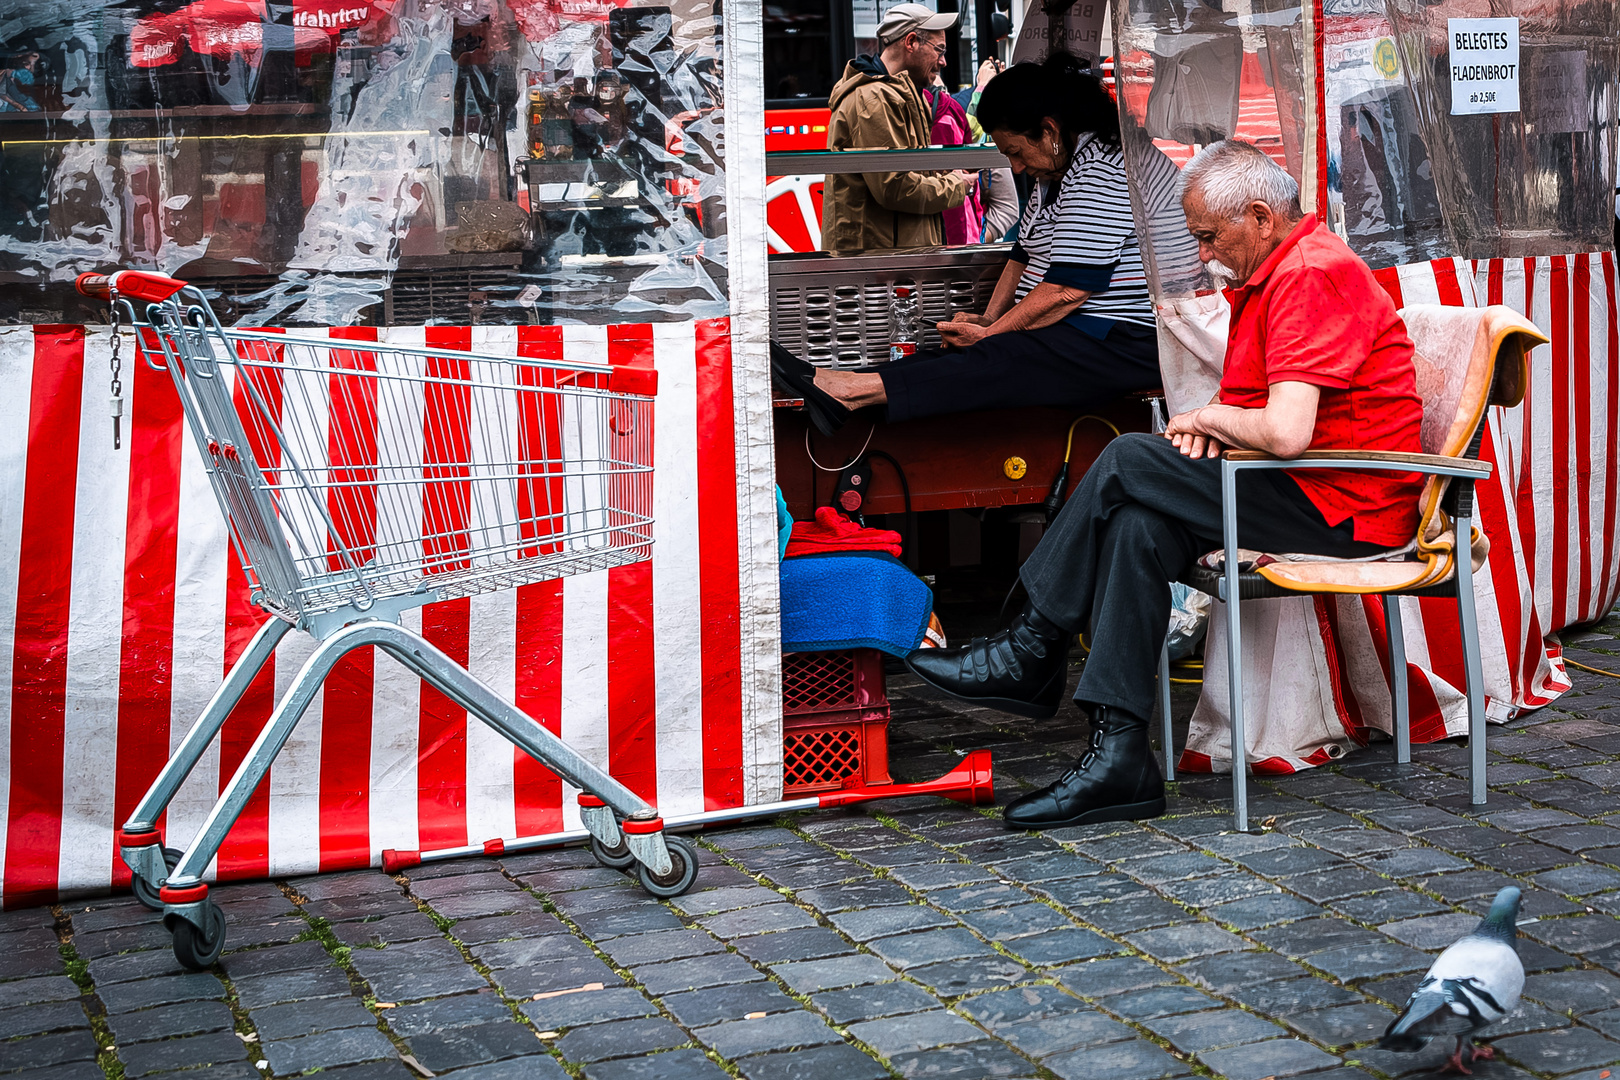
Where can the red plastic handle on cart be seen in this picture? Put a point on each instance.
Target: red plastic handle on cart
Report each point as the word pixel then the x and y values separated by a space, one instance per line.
pixel 634 380
pixel 970 782
pixel 135 284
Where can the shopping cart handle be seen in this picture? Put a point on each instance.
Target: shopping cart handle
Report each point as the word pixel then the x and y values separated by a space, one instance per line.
pixel 634 380
pixel 135 284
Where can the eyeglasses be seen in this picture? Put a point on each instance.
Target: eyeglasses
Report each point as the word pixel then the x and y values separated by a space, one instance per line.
pixel 943 48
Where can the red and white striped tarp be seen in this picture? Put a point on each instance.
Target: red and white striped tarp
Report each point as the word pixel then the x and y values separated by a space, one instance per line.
pixel 1549 511
pixel 121 609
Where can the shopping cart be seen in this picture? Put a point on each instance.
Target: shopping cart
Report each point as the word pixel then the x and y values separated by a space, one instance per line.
pixel 360 480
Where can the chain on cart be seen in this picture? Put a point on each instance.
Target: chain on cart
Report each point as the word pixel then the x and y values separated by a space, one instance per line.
pixel 115 392
pixel 360 480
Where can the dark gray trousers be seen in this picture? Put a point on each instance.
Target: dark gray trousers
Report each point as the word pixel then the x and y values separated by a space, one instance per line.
pixel 1139 519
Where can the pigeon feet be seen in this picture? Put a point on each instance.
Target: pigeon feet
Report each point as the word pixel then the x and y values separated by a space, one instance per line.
pixel 1477 1052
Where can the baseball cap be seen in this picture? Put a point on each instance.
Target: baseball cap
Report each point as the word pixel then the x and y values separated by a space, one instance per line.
pixel 903 19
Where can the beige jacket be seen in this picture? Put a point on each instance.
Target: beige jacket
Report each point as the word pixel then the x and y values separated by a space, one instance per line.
pixel 874 110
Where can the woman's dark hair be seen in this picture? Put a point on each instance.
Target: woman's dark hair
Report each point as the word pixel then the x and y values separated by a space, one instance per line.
pixel 1059 87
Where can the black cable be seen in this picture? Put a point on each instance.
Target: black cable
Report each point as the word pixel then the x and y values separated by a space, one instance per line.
pixel 1004 617
pixel 909 545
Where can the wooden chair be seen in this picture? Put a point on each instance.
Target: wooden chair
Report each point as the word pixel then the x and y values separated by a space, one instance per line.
pixel 1467 358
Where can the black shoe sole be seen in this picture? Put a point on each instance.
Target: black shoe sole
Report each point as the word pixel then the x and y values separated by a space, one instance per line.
pixel 1031 709
pixel 826 412
pixel 1140 811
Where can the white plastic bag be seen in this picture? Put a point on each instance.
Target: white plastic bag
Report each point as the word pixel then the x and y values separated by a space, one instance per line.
pixel 1189 619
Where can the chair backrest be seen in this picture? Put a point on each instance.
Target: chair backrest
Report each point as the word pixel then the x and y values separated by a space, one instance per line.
pixel 1467 358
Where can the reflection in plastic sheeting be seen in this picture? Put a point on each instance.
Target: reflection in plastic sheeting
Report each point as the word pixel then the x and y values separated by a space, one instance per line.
pixel 1381 192
pixel 1189 73
pixel 329 162
pixel 1536 182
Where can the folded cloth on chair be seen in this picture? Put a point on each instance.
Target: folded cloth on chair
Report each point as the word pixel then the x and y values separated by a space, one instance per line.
pixel 864 600
pixel 833 532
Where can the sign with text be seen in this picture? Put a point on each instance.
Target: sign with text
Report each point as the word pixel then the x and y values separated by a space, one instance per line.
pixel 1050 24
pixel 1484 65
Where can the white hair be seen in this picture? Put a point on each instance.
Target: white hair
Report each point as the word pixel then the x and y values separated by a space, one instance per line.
pixel 1231 174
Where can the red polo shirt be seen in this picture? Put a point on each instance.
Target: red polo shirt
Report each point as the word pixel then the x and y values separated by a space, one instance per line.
pixel 1314 314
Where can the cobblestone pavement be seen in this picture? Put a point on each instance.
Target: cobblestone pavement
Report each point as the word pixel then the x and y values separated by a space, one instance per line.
pixel 910 940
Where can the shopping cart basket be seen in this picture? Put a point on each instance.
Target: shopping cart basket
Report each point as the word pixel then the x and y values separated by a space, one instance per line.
pixel 360 480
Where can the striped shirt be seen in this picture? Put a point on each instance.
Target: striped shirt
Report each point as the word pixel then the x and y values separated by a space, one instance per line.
pixel 1081 232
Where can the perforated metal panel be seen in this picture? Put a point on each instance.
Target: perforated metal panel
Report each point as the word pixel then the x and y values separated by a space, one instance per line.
pixel 834 310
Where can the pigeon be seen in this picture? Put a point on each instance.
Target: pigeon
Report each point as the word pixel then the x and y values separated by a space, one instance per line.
pixel 1471 986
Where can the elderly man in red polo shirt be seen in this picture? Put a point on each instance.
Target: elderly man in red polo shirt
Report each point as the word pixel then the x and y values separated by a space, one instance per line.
pixel 1317 358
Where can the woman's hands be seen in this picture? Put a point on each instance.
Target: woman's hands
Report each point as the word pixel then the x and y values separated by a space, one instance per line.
pixel 963 329
pixel 987 71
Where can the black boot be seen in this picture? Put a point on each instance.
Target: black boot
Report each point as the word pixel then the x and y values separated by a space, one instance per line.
pixel 1020 670
pixel 1118 779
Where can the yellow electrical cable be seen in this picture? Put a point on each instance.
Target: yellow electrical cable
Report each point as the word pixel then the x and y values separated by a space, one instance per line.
pixel 1593 670
pixel 1069 446
pixel 1180 663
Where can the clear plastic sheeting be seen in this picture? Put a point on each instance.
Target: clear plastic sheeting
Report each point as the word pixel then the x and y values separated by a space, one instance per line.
pixel 1192 72
pixel 385 162
pixel 1381 184
pixel 1534 182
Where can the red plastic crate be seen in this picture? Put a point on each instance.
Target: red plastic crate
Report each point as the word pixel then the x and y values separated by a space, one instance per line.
pixel 835 722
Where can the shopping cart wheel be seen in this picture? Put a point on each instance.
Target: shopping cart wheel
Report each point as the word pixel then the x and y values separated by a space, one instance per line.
pixel 682 873
pixel 147 891
pixel 619 858
pixel 197 949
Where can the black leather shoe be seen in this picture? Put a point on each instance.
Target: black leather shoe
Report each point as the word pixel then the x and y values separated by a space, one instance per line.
pixel 1020 670
pixel 1118 779
pixel 799 377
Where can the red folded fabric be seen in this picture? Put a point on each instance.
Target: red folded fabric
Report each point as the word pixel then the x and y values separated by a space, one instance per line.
pixel 833 532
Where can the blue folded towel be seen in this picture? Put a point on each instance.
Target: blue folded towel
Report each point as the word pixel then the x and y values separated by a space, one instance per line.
pixel 863 600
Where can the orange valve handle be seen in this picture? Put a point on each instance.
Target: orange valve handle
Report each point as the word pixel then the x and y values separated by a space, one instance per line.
pixel 135 284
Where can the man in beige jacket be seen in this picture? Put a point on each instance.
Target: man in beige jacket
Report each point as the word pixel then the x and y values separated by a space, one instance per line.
pixel 879 105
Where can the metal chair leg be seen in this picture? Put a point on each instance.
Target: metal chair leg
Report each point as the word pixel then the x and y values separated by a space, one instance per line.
pixel 1473 666
pixel 207 725
pixel 1164 712
pixel 1397 679
pixel 1234 651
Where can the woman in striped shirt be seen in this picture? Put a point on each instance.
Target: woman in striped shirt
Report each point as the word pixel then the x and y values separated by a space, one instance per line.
pixel 1071 321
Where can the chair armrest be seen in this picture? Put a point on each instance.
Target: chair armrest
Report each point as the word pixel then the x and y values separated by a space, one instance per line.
pixel 1375 460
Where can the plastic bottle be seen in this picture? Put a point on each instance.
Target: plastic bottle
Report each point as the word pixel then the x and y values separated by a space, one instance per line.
pixel 905 323
pixel 557 126
pixel 587 121
pixel 537 119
